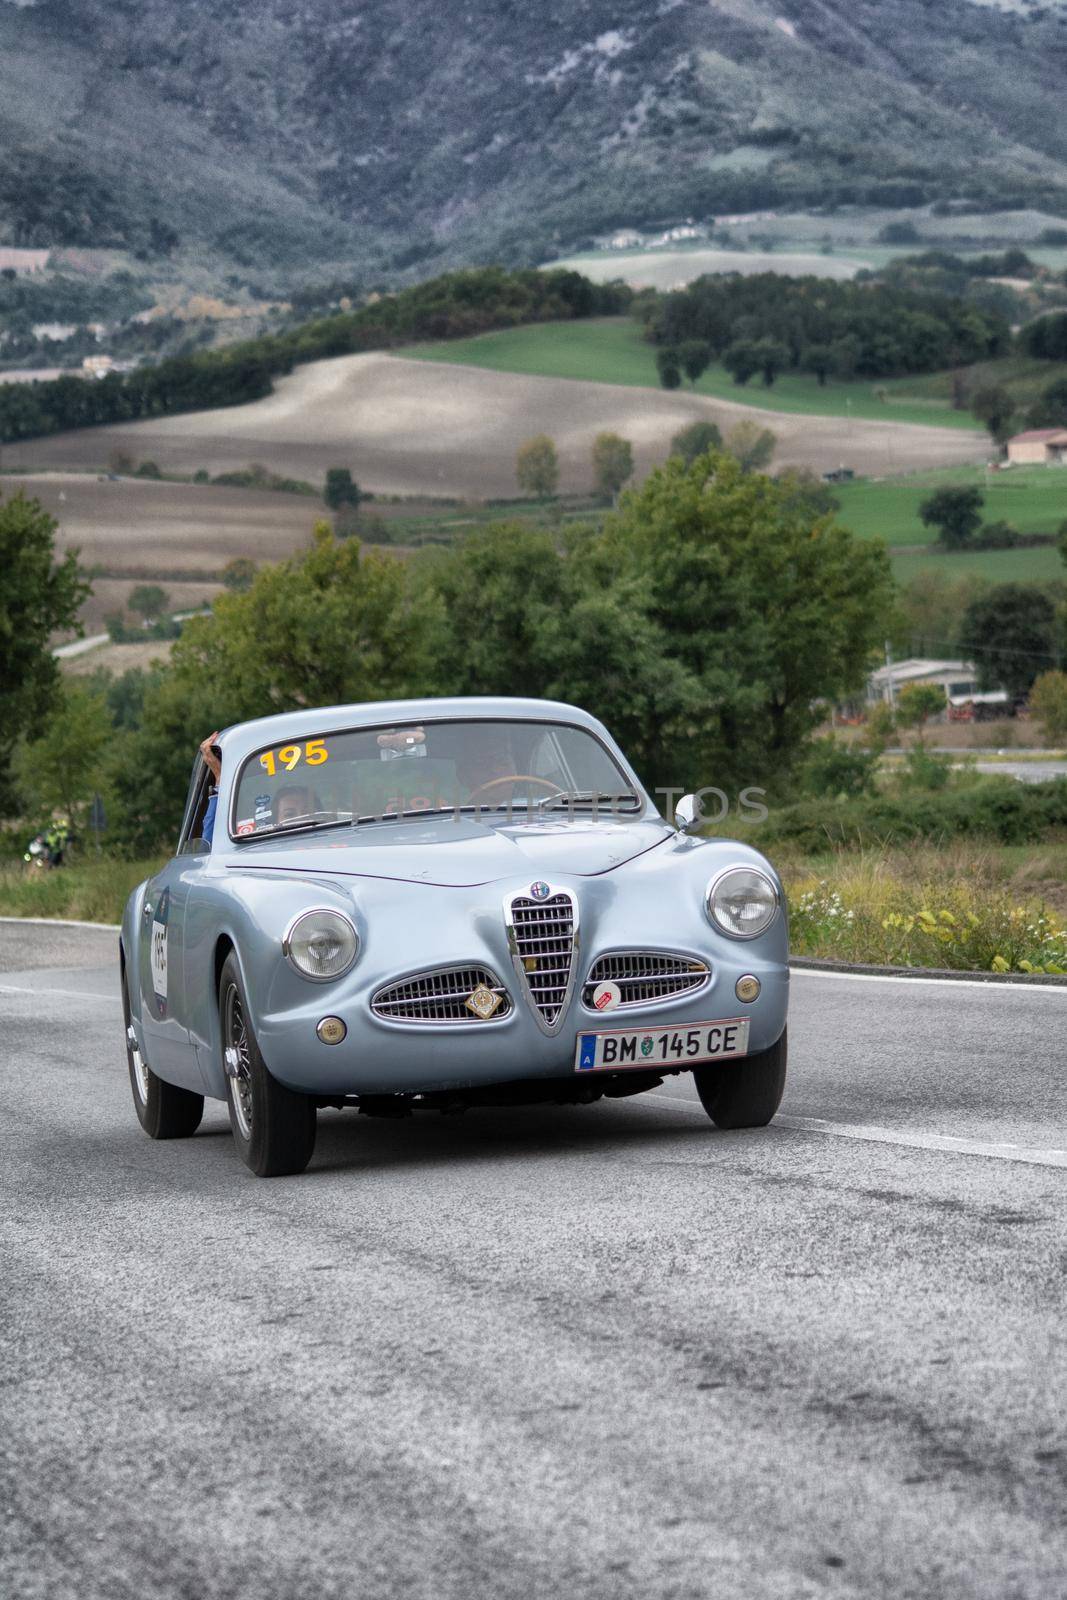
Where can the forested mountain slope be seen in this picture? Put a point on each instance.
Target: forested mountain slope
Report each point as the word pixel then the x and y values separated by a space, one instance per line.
pixel 269 135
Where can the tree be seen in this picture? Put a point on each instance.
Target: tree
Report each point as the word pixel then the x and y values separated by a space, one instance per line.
pixel 341 489
pixel 148 600
pixel 1049 410
pixel 148 469
pixel 757 610
pixel 1010 634
pixel 613 463
pixel 750 445
pixel 537 467
pixel 505 581
pixel 820 359
pixel 955 512
pixel 900 233
pixel 694 357
pixel 239 574
pixel 39 595
pixel 917 703
pixel 772 358
pixel 696 439
pixel 808 492
pixel 1048 703
pixel 741 360
pixel 880 727
pixel 330 626
pixel 63 767
pixel 669 367
pixel 994 407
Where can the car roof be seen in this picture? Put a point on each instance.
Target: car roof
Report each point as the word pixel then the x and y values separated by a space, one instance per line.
pixel 244 737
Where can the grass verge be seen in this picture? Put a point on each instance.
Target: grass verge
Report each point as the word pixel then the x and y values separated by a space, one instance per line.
pixel 90 890
pixel 966 909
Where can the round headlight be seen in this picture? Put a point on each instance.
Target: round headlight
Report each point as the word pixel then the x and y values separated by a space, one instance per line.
pixel 743 902
pixel 321 944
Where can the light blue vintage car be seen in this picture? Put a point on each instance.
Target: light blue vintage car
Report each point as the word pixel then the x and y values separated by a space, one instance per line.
pixel 443 903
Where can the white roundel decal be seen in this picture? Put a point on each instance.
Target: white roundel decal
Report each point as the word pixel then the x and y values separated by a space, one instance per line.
pixel 606 996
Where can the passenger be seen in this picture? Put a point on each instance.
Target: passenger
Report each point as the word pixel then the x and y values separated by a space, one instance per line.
pixel 213 761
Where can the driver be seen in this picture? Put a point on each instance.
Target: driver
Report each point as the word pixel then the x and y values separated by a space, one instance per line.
pixel 291 803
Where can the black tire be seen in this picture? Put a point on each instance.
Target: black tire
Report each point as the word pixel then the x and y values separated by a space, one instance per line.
pixel 163 1110
pixel 273 1127
pixel 744 1093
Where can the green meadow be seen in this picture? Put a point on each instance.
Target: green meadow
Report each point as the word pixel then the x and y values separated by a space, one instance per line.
pixel 612 350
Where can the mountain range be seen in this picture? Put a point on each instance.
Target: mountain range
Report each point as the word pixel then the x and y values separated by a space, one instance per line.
pixel 269 138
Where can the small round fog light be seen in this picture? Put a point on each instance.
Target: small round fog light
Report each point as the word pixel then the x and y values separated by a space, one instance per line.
pixel 747 988
pixel 331 1030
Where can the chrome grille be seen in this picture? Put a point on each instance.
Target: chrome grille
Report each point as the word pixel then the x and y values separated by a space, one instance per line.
pixel 645 976
pixel 439 996
pixel 542 934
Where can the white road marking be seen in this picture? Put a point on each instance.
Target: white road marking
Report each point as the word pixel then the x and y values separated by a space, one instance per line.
pixel 1029 1155
pixel 944 983
pixel 65 994
pixel 63 922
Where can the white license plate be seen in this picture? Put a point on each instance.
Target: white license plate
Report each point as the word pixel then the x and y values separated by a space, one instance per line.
pixel 661 1047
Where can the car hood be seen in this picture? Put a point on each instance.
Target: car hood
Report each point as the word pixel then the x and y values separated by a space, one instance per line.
pixel 457 854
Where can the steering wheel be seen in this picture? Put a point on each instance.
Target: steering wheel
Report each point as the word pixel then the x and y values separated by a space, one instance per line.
pixel 513 777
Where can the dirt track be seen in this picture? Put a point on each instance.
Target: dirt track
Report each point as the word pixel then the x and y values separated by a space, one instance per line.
pixel 417 427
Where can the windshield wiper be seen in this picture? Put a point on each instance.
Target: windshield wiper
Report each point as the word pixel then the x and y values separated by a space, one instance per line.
pixel 593 798
pixel 316 820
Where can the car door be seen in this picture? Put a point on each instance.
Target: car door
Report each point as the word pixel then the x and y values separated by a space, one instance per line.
pixel 164 1003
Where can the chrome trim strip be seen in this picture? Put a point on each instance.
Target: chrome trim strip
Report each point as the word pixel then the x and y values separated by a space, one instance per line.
pixel 550 1028
pixel 667 999
pixel 469 1021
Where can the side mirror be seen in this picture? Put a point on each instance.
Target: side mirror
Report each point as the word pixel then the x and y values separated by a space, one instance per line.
pixel 687 813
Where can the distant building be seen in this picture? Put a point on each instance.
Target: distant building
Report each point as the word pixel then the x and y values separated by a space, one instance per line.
pixel 1042 447
pixel 22 262
pixel 958 679
pixel 624 241
pixel 97 366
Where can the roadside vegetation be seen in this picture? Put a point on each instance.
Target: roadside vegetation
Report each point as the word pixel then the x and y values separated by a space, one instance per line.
pixel 962 908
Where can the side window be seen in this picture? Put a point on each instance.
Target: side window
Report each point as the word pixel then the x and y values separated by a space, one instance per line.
pixel 191 841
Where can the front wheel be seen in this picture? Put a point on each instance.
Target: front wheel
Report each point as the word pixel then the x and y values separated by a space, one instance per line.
pixel 744 1093
pixel 163 1110
pixel 273 1127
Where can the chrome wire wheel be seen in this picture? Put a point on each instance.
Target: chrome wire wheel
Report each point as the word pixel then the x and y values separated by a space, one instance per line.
pixel 238 1066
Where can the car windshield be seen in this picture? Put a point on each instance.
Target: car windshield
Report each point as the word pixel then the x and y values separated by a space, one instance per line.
pixel 524 770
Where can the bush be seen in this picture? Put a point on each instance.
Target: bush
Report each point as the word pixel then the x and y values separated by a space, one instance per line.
pixel 834 768
pixel 995 809
pixel 1048 703
pixel 925 770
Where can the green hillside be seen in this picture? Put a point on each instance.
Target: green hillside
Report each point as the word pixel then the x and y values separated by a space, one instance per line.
pixel 1032 499
pixel 612 350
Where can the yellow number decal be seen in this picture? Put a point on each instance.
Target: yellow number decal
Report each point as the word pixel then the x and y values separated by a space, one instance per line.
pixel 315 753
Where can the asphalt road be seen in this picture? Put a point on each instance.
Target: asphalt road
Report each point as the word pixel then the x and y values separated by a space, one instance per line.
pixel 596 1352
